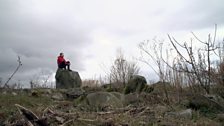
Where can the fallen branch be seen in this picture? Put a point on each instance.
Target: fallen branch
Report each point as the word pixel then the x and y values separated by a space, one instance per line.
pixel 67 122
pixel 30 116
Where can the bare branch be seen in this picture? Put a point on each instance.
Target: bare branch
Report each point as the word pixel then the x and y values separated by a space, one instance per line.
pixel 198 38
pixel 19 65
pixel 213 43
pixel 177 50
pixel 178 43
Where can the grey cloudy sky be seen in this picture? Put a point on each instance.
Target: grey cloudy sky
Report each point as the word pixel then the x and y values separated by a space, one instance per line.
pixel 90 31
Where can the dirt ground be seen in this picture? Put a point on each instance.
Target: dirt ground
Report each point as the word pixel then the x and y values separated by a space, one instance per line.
pixel 51 107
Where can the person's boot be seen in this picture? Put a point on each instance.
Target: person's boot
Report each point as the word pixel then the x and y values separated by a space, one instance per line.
pixel 69 68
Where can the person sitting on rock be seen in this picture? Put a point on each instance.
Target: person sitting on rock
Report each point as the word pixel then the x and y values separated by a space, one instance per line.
pixel 62 63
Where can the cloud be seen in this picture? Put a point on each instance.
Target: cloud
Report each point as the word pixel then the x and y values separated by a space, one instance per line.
pixel 38 40
pixel 193 15
pixel 89 32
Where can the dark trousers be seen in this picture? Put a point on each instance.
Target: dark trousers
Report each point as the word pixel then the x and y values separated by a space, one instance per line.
pixel 64 64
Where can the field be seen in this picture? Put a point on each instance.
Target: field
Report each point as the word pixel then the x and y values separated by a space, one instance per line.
pixel 96 106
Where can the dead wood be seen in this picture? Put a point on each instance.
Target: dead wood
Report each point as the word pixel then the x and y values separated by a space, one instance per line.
pixel 30 116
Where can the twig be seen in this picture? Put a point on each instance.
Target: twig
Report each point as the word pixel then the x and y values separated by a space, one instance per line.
pixel 28 123
pixel 104 113
pixel 214 39
pixel 19 65
pixel 197 38
pixel 86 120
pixel 177 50
pixel 67 122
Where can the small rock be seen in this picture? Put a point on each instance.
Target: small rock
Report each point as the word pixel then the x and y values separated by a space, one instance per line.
pixel 75 93
pixel 186 114
pixel 14 93
pixel 57 96
pixel 60 119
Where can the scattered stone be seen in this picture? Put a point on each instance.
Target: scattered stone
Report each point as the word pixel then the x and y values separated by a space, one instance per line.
pixel 75 93
pixel 60 119
pixel 57 96
pixel 67 79
pixel 185 114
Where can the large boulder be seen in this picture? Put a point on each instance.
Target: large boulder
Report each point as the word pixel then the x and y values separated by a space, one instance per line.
pixel 67 79
pixel 136 84
pixel 205 103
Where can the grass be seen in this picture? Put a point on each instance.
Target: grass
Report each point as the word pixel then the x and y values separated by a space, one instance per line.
pixel 148 109
pixel 8 101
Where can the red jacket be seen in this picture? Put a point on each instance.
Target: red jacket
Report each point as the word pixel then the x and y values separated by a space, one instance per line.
pixel 61 59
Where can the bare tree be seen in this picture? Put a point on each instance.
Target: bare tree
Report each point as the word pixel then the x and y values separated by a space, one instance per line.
pixel 41 79
pixel 199 61
pixel 122 70
pixel 186 63
pixel 152 55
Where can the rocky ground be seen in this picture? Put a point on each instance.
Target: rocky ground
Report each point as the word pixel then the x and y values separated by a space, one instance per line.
pixel 98 107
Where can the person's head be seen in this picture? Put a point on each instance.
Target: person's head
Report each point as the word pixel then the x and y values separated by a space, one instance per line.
pixel 61 54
